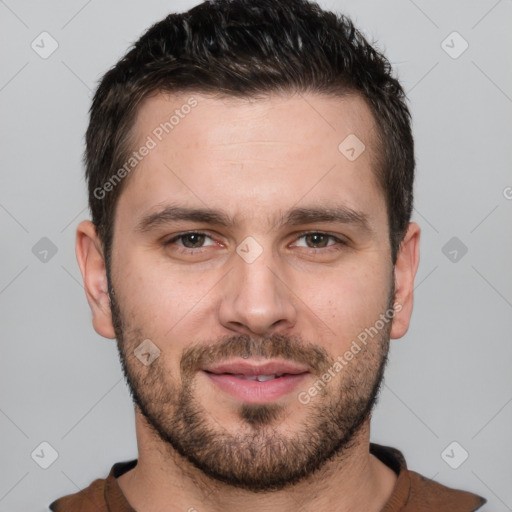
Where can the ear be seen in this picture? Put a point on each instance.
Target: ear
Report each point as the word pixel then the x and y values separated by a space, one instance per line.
pixel 89 254
pixel 407 262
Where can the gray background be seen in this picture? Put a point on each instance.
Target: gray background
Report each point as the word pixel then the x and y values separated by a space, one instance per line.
pixel 448 380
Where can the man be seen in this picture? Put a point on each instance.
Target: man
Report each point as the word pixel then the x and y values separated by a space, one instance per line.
pixel 250 168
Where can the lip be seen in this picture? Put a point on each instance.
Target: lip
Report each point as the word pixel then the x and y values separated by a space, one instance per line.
pixel 248 369
pixel 255 392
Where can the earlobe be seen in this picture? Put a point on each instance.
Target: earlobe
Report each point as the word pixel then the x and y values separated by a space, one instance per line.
pixel 90 258
pixel 405 271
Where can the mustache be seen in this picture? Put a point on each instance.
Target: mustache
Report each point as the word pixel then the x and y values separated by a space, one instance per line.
pixel 275 346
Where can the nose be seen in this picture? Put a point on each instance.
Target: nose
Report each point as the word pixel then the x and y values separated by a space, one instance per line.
pixel 256 298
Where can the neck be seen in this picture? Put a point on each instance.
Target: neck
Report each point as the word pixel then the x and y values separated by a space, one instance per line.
pixel 354 481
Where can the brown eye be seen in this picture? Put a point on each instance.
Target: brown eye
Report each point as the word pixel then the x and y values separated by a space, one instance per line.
pixel 193 240
pixel 319 240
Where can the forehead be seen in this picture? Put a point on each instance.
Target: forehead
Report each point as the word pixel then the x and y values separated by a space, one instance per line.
pixel 244 155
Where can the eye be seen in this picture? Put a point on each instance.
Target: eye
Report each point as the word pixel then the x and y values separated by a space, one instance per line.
pixel 192 240
pixel 320 239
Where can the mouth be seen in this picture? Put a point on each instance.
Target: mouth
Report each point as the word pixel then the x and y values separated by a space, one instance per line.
pixel 253 383
pixel 258 378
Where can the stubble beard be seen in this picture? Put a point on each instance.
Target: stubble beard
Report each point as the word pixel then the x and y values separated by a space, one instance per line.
pixel 258 457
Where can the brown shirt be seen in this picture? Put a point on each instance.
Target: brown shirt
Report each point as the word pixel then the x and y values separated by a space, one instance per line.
pixel 412 492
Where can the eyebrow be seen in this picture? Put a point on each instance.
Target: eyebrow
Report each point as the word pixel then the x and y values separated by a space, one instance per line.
pixel 293 217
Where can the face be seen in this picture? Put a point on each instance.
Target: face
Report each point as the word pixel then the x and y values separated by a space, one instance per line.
pixel 245 237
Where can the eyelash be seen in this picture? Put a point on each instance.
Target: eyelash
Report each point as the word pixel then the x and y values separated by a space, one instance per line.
pixel 188 250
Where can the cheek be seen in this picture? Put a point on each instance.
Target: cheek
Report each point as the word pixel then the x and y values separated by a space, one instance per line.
pixel 159 300
pixel 348 300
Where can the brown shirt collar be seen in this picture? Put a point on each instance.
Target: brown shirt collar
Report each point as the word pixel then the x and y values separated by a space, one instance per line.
pixel 412 492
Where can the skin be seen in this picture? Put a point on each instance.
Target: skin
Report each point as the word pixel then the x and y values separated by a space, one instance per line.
pixel 253 159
